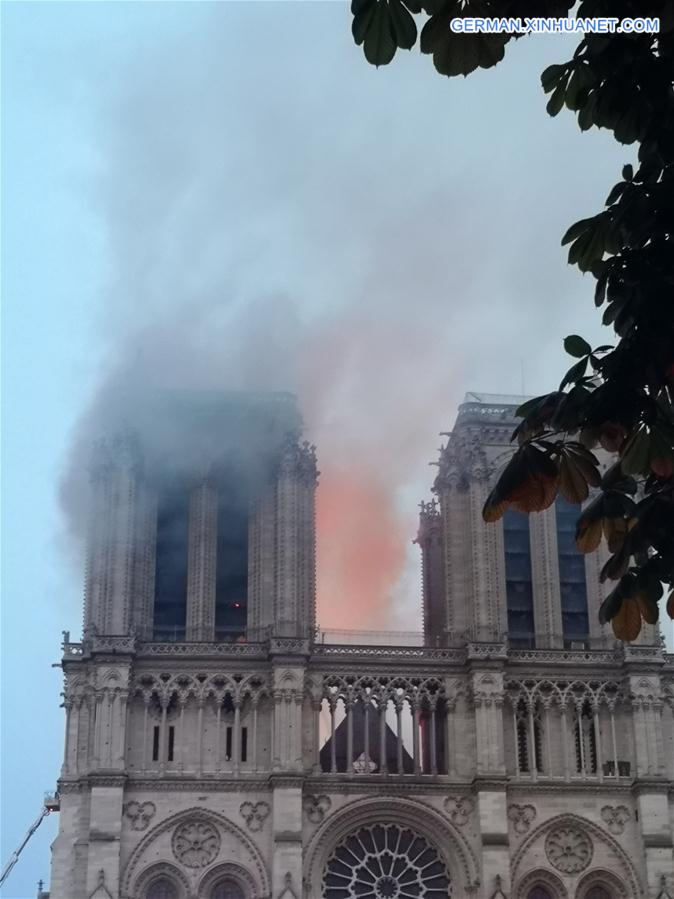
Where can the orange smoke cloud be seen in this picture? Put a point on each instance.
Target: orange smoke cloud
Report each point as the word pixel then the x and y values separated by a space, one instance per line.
pixel 361 549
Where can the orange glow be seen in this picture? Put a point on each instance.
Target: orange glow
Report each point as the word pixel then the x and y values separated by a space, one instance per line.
pixel 360 549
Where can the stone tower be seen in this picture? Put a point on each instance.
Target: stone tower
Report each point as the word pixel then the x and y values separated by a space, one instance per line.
pixel 219 747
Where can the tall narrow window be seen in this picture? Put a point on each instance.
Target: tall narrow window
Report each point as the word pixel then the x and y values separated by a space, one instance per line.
pixel 228 744
pixel 519 592
pixel 244 744
pixel 522 737
pixel 231 590
pixel 572 586
pixel 538 741
pixel 586 742
pixel 170 603
pixel 171 743
pixel 155 744
pixel 526 753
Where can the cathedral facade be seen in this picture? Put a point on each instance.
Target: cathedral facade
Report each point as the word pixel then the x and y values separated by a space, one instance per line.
pixel 216 748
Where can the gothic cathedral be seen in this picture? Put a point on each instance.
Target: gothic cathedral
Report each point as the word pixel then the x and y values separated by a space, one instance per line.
pixel 218 747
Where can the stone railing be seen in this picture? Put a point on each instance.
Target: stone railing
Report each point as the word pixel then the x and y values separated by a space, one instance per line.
pixel 72 650
pixel 395 653
pixel 177 650
pixel 566 656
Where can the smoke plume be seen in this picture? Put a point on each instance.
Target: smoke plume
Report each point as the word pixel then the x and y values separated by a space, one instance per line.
pixel 279 216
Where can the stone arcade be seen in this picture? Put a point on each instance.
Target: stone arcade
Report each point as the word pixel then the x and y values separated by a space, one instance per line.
pixel 217 748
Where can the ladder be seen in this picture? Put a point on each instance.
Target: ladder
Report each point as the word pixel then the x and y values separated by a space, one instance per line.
pixel 51 804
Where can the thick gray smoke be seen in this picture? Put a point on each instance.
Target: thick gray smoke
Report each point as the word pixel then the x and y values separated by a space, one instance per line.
pixel 280 216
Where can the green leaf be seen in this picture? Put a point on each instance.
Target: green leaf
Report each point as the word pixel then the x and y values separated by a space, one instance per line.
pixel 556 101
pixel 573 91
pixel 404 26
pixel 574 374
pixel 576 230
pixel 616 193
pixel 577 347
pixel 611 605
pixel 362 15
pixel 586 111
pixel 551 76
pixel 379 45
pixel 634 458
pixel 434 7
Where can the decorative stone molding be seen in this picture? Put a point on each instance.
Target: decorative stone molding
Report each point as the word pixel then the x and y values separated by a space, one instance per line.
pixel 459 809
pixel 583 657
pixel 288 646
pixel 131 877
pixel 139 813
pixel 565 692
pixel 254 814
pixel 664 893
pixel 202 686
pixel 392 653
pixel 616 817
pixel 455 849
pixel 114 645
pixel 316 807
pixel 461 461
pixel 493 650
pixel 215 784
pixel 498 891
pixel 288 892
pixel 569 849
pixel 522 817
pixel 195 843
pixel 622 863
pixel 194 651
pixel 101 891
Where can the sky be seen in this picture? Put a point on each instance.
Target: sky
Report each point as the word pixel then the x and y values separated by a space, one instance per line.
pixel 225 195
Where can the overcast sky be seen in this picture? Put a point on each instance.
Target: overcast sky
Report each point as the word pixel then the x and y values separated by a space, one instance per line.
pixel 226 195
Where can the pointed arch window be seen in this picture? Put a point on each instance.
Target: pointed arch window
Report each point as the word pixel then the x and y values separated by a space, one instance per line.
pixel 526 721
pixel 539 892
pixel 585 741
pixel 162 888
pixel 598 892
pixel 227 889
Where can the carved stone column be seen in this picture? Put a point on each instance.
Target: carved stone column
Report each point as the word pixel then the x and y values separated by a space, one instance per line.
pixel 262 564
pixel 429 539
pixel 112 536
pixel 145 563
pixel 473 550
pixel 202 561
pixel 545 579
pixel 295 584
pixel 487 693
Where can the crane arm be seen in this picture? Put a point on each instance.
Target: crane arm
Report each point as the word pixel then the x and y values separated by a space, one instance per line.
pixel 17 852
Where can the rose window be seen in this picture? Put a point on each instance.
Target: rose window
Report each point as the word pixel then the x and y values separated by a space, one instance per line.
pixel 568 849
pixel 385 861
pixel 195 843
